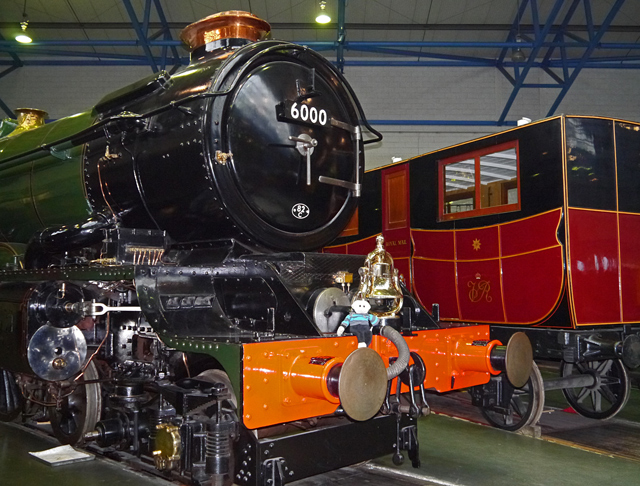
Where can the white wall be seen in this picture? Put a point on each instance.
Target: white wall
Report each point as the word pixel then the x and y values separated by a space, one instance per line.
pixel 412 93
pixel 386 93
pixel 63 91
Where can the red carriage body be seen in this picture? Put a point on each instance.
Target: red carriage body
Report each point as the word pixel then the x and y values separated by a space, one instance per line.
pixel 533 229
pixel 558 246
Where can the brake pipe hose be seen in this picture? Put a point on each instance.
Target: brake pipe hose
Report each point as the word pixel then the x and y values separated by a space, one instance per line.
pixel 403 351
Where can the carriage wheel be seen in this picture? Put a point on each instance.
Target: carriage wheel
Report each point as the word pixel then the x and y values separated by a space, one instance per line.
pixel 525 406
pixel 10 397
pixel 607 396
pixel 79 411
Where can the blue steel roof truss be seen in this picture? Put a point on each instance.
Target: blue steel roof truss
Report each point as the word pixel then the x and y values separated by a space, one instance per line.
pixel 142 31
pixel 555 38
pixel 17 62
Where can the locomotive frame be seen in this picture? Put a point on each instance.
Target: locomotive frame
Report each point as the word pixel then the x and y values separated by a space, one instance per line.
pixel 160 296
pixel 500 231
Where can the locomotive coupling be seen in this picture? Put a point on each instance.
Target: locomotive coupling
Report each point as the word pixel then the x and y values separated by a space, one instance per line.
pixel 318 377
pixel 98 309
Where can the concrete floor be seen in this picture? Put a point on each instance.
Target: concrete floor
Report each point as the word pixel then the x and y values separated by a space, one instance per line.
pixel 453 452
pixel 18 468
pixel 467 454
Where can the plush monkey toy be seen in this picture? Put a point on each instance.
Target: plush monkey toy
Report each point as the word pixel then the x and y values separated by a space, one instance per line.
pixel 360 322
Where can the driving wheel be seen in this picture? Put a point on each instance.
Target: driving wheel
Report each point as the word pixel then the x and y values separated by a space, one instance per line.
pixel 10 397
pixel 79 411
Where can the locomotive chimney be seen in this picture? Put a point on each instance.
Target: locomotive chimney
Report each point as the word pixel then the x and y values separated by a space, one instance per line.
pixel 28 119
pixel 217 35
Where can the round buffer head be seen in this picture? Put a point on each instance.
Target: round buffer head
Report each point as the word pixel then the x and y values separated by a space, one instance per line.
pixel 519 359
pixel 362 385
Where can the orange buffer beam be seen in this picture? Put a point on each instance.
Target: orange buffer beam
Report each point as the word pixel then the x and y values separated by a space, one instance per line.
pixel 454 358
pixel 289 380
pixel 282 380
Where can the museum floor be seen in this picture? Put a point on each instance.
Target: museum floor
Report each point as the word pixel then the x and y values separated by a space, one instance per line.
pixel 453 451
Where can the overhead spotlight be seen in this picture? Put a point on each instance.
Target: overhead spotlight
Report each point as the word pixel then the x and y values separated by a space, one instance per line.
pixel 323 17
pixel 22 37
pixel 518 56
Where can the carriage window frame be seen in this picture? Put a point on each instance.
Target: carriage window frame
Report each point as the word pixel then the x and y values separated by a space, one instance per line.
pixel 477 209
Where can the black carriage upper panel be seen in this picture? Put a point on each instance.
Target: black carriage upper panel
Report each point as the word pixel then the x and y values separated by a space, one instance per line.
pixel 591 177
pixel 627 139
pixel 534 179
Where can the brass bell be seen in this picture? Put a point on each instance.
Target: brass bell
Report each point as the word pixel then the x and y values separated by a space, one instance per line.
pixel 379 282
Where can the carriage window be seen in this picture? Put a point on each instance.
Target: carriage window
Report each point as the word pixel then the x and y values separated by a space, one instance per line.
pixel 483 182
pixel 498 176
pixel 460 186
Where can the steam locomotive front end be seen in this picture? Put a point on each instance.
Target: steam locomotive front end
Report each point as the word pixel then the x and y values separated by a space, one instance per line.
pixel 254 141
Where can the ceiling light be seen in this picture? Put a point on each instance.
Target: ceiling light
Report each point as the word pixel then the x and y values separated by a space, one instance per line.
pixel 22 37
pixel 518 55
pixel 323 17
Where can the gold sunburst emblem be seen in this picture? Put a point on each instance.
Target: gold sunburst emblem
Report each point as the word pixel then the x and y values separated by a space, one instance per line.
pixel 476 244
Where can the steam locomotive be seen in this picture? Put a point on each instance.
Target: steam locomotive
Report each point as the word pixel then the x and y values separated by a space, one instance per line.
pixel 160 298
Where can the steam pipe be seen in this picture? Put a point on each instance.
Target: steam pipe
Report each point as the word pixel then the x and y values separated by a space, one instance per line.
pixel 55 240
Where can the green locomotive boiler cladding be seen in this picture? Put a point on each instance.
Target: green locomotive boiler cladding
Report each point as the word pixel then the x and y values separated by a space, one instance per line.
pixel 45 171
pixel 40 188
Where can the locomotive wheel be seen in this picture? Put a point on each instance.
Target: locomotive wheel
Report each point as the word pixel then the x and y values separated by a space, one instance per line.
pixel 10 397
pixel 607 396
pixel 79 411
pixel 219 376
pixel 525 406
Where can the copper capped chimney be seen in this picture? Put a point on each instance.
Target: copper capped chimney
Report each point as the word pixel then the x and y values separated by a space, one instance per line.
pixel 230 29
